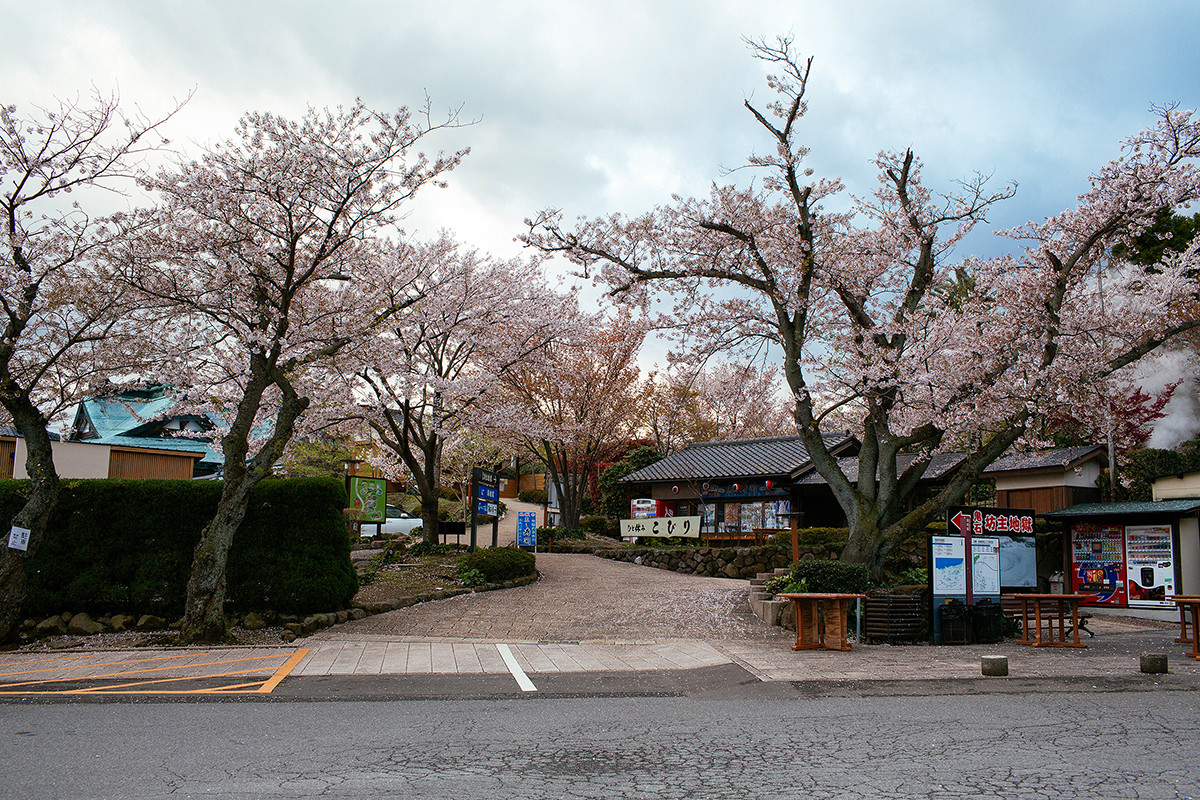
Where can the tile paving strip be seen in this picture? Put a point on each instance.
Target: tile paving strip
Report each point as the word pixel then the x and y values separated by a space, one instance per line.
pixel 206 672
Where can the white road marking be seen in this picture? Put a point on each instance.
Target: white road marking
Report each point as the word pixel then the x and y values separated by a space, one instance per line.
pixel 511 662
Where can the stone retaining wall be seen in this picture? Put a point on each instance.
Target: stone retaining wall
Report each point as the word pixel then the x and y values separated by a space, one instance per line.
pixel 717 562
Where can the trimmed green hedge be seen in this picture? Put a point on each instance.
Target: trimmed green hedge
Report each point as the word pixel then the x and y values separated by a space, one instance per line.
pixel 499 563
pixel 126 545
pixel 835 577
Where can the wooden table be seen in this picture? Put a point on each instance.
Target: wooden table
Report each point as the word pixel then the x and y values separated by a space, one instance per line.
pixel 821 619
pixel 1186 602
pixel 1049 639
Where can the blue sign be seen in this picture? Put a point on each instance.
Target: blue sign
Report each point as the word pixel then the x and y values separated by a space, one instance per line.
pixel 484 507
pixel 527 529
pixel 488 492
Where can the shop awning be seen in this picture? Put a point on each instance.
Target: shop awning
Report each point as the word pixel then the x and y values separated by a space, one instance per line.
pixel 1178 507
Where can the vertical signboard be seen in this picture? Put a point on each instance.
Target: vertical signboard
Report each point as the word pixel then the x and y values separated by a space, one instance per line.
pixel 368 497
pixel 486 496
pixel 949 566
pixel 527 529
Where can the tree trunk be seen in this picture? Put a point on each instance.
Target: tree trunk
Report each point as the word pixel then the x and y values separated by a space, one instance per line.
pixel 866 544
pixel 430 516
pixel 44 491
pixel 204 618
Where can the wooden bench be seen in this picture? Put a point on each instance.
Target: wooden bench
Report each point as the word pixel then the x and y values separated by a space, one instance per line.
pixel 1012 616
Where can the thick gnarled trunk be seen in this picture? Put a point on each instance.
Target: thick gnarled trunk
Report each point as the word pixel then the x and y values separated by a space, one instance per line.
pixel 44 491
pixel 204 617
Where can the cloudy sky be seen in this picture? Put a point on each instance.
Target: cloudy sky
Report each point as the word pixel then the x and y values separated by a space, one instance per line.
pixel 596 107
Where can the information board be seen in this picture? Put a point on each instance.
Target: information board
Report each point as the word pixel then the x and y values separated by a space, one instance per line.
pixel 949 565
pixel 368 497
pixel 527 529
pixel 985 566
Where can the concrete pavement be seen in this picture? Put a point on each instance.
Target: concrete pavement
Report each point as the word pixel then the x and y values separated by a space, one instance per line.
pixel 591 615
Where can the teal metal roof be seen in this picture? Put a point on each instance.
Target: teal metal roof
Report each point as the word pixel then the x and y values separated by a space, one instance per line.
pixel 134 420
pixel 1185 505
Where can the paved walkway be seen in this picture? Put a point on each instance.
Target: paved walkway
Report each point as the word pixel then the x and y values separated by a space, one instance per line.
pixel 589 614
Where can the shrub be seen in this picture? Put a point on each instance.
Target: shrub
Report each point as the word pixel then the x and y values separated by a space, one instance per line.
pixel 499 563
pixel 553 532
pixel 823 576
pixel 423 548
pixel 539 496
pixel 601 526
pixel 127 544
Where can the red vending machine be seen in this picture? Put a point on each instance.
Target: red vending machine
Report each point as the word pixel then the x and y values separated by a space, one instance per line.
pixel 1098 563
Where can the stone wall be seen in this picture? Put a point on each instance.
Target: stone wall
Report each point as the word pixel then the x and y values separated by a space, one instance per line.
pixel 717 562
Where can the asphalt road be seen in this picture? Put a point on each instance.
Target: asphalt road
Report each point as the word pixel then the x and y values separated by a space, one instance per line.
pixel 720 740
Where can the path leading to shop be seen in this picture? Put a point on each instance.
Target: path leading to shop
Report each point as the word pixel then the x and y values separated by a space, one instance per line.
pixel 588 614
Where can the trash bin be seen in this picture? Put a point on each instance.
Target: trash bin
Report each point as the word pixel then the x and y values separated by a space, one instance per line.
pixel 987 622
pixel 954 618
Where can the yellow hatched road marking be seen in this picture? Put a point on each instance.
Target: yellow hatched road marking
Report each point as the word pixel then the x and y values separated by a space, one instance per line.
pixel 265 686
pixel 94 666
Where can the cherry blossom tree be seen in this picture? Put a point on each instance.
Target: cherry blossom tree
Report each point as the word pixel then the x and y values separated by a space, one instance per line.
pixel 878 321
pixel 574 403
pixel 277 251
pixel 718 401
pixel 65 324
pixel 424 380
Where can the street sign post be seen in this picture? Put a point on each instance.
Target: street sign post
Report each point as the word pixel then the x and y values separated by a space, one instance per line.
pixel 485 500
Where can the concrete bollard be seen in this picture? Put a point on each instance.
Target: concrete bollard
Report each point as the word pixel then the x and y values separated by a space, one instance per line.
pixel 994 666
pixel 1154 663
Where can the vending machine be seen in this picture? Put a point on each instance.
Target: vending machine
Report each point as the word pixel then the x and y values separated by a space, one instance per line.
pixel 1098 563
pixel 1150 565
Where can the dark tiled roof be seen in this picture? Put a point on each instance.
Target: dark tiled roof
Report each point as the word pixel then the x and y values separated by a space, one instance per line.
pixel 9 430
pixel 1062 458
pixel 938 466
pixel 745 458
pixel 1186 505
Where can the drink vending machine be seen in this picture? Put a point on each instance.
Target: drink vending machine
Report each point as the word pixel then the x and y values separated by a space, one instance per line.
pixel 1150 565
pixel 1098 563
pixel 1122 565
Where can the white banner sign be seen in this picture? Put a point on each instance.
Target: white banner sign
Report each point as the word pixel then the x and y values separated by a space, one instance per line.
pixel 688 527
pixel 18 538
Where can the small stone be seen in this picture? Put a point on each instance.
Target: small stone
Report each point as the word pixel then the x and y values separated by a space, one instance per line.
pixel 253 622
pixel 1154 663
pixel 295 628
pixel 84 625
pixel 122 622
pixel 358 613
pixel 52 626
pixel 287 635
pixel 149 622
pixel 994 666
pixel 342 616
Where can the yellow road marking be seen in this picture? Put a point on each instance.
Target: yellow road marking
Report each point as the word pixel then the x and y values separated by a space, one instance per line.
pixel 95 666
pixel 265 686
pixel 284 671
